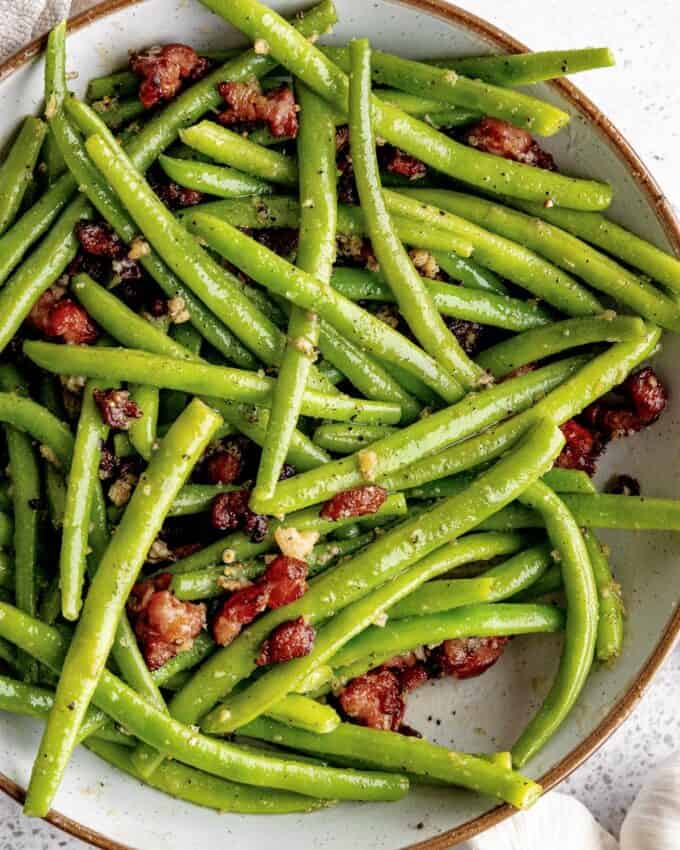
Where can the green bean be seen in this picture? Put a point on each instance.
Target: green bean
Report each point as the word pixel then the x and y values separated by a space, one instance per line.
pixel 226 146
pixel 304 713
pixel 53 160
pixel 364 372
pixel 611 611
pixel 252 420
pixel 40 271
pixel 243 548
pixel 449 87
pixel 206 322
pixel 167 373
pixel 50 604
pixel 5 495
pixel 415 301
pixel 485 171
pixel 581 625
pixel 35 420
pixel 512 259
pixel 143 430
pixel 118 84
pixel 392 751
pixel 595 378
pixel 305 292
pixel 601 510
pixel 205 790
pixel 565 250
pixel 186 745
pixel 424 107
pixel 523 68
pixel 109 590
pixel 470 273
pixel 316 255
pixel 347 439
pixel 16 171
pixel 487 308
pixel 221 181
pixel 614 240
pixel 91 433
pixel 6 571
pixel 195 498
pixel 552 339
pixel 548 583
pixel 33 701
pixel 26 492
pixel 569 481
pixel 402 450
pixel 375 645
pixel 6 530
pixel 202 97
pixel 115 113
pixel 380 577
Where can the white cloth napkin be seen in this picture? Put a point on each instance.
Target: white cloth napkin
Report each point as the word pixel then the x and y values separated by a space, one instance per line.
pixel 23 20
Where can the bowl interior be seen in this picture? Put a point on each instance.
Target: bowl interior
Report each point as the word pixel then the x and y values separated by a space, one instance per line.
pixel 476 715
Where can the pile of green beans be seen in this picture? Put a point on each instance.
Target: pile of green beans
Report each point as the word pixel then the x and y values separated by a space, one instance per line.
pixel 358 355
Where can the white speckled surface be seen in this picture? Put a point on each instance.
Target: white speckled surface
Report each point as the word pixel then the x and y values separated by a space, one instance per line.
pixel 643 98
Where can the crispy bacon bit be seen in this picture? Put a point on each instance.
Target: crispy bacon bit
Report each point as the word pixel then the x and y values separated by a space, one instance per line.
pixel 40 312
pixel 411 678
pixel 98 239
pixel 286 580
pixel 293 639
pixel 174 196
pixel 72 323
pixel 356 502
pixel 116 408
pixel 163 69
pixel 464 658
pixel 623 485
pixel 230 512
pixel 287 471
pixel 248 103
pixel 341 137
pixel 399 162
pixel 581 449
pixel 281 240
pixel 238 610
pixel 108 464
pixel 494 136
pixel 54 315
pixel 224 467
pixel 374 700
pixel 647 394
pixel 164 626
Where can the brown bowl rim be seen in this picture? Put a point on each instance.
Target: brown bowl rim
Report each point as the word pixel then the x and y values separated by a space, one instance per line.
pixel 497 38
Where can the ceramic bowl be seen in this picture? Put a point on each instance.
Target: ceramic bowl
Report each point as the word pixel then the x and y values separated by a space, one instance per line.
pixel 111 810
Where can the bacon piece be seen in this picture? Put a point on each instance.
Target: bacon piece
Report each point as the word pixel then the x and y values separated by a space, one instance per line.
pixel 399 162
pixel 238 610
pixel 230 512
pixel 224 467
pixel 164 68
pixel 116 408
pixel 374 700
pixel 411 678
pixel 647 393
pixel 281 240
pixel 287 471
pixel 581 450
pixel 356 502
pixel 98 239
pixel 39 315
pixel 248 103
pixel 500 138
pixel 163 625
pixel 464 658
pixel 293 639
pixel 174 196
pixel 286 580
pixel 72 323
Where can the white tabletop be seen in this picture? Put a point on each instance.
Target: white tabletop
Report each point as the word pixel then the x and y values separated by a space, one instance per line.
pixel 643 98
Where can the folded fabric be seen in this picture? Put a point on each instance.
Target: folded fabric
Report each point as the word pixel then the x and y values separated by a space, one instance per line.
pixel 24 20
